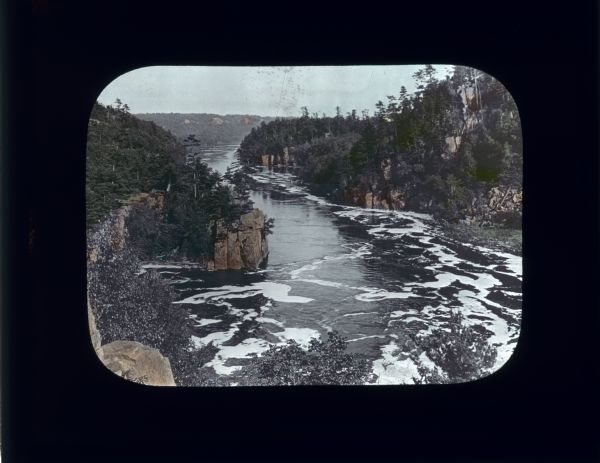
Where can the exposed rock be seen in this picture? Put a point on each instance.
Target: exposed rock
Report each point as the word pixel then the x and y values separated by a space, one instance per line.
pixel 119 229
pixel 468 96
pixel 498 205
pixel 220 250
pixel 452 144
pixel 242 245
pixel 234 253
pixel 368 199
pixel 155 201
pixel 94 333
pixel 397 200
pixel 116 226
pixel 137 362
pixel 386 168
pixel 286 156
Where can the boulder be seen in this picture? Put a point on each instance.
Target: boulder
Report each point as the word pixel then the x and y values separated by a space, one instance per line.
pixel 139 363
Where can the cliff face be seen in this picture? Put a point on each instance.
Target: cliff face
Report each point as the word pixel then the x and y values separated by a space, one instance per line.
pixel 242 245
pixel 131 360
pixel 117 228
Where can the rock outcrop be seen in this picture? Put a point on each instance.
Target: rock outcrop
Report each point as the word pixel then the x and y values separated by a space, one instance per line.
pixel 131 360
pixel 94 333
pixel 137 362
pixel 498 205
pixel 115 227
pixel 387 198
pixel 285 158
pixel 241 245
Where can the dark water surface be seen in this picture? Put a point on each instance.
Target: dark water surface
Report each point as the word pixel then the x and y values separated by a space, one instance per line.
pixel 372 275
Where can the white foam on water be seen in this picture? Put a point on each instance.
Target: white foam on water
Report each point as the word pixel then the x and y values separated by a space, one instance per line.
pixel 377 294
pixel 161 266
pixel 207 321
pixel 279 292
pixel 356 252
pixel 302 336
pixel 390 368
pixel 513 263
pixel 331 284
pixel 275 291
pixel 216 338
pixel 356 314
pixel 511 293
pixel 269 320
pixel 239 351
pixel 245 348
pixel 318 200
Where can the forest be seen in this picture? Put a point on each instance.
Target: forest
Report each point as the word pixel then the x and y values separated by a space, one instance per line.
pixel 127 156
pixel 452 148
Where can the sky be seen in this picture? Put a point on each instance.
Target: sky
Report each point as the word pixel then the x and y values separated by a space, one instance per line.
pixel 265 91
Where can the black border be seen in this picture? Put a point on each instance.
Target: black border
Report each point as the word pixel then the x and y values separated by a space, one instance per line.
pixel 59 403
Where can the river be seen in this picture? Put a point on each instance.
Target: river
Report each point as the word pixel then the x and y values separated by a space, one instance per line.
pixel 372 275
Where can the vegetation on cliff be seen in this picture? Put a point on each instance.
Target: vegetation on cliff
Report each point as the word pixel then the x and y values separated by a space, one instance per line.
pixel 136 305
pixel 442 149
pixel 460 352
pixel 146 201
pixel 127 156
pixel 323 363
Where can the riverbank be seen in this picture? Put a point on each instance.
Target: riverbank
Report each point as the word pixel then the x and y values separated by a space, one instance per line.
pixel 503 239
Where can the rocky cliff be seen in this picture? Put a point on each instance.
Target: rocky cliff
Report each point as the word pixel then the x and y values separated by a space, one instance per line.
pixel 452 149
pixel 115 226
pixel 241 245
pixel 131 360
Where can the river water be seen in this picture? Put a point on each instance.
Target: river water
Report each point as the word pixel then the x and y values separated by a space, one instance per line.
pixel 372 275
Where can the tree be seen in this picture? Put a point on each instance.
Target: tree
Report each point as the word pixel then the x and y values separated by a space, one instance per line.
pixel 425 76
pixel 461 352
pixel 323 363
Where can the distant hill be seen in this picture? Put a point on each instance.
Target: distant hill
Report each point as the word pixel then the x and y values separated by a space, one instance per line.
pixel 206 129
